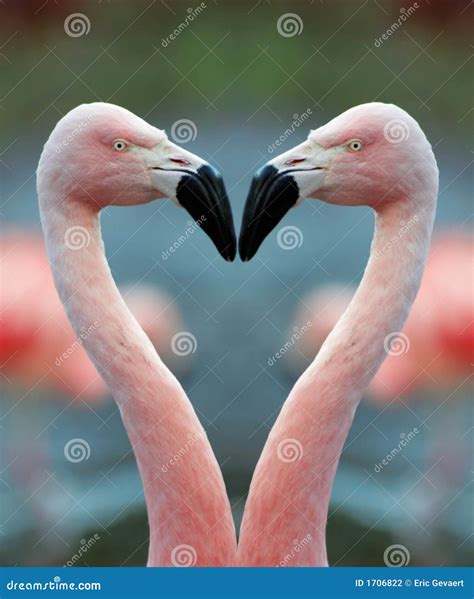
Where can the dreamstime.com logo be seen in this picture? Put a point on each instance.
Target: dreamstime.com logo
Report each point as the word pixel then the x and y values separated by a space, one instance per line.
pixel 290 238
pixel 396 131
pixel 77 25
pixel 289 451
pixel 396 556
pixel 183 131
pixel 77 450
pixel 77 238
pixel 184 344
pixel 183 556
pixel 53 585
pixel 396 344
pixel 290 24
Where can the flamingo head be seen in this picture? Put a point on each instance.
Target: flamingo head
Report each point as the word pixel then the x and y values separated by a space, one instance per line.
pixel 371 154
pixel 105 155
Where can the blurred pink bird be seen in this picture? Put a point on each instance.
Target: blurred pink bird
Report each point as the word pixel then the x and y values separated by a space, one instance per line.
pixel 436 347
pixel 100 155
pixel 38 347
pixel 374 155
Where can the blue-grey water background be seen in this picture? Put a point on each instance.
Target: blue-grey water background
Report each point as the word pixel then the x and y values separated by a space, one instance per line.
pixel 239 313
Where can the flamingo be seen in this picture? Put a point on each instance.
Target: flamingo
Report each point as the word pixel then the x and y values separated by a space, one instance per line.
pixel 38 347
pixel 374 155
pixel 100 155
pixel 432 360
pixel 436 347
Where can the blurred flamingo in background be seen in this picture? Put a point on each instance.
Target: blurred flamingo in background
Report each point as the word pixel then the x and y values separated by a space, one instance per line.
pixel 373 155
pixel 38 348
pixel 436 348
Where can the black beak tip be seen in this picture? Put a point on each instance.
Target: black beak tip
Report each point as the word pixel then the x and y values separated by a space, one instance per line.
pixel 204 196
pixel 229 252
pixel 227 247
pixel 244 251
pixel 271 195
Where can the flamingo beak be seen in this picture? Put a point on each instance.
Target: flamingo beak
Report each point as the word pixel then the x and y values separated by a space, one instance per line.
pixel 203 194
pixel 272 193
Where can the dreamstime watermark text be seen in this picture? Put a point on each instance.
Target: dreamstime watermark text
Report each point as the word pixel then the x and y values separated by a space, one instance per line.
pixel 70 137
pixel 83 335
pixel 397 237
pixel 86 544
pixel 298 332
pixel 192 227
pixel 405 439
pixel 405 14
pixel 193 13
pixel 180 454
pixel 298 546
pixel 298 120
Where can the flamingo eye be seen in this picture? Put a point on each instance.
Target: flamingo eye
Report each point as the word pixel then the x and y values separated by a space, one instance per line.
pixel 180 161
pixel 295 161
pixel 119 145
pixel 355 145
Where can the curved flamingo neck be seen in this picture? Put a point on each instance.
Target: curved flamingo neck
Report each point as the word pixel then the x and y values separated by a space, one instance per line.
pixel 109 332
pixel 186 498
pixel 290 492
pixel 356 347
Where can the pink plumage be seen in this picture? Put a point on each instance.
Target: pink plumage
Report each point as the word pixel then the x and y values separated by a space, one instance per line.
pixel 373 155
pixel 100 155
